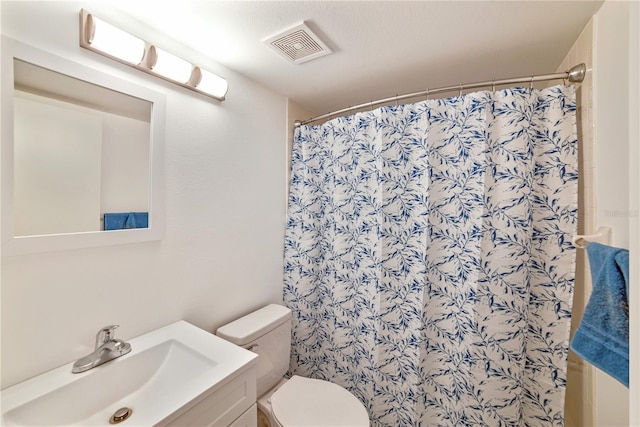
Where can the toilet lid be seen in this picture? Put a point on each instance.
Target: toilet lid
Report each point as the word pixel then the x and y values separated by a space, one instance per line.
pixel 310 402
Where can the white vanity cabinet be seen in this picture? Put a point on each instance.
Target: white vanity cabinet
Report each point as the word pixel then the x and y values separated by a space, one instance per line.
pixel 248 419
pixel 232 403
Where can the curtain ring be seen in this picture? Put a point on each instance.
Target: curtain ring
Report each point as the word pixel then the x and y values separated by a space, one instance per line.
pixel 396 99
pixel 371 105
pixel 426 98
pixel 460 92
pixel 531 83
pixel 493 86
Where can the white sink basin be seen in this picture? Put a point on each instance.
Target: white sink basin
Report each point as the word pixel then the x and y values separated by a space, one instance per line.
pixel 165 371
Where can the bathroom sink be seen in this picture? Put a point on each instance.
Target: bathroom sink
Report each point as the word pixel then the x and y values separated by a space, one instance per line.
pixel 166 370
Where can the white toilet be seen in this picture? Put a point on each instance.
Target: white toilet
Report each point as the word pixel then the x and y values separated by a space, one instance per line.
pixel 296 402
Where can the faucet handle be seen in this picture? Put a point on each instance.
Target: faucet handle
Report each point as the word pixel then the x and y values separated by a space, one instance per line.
pixel 105 335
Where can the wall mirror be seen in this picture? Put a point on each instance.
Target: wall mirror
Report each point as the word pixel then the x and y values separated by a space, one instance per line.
pixel 82 155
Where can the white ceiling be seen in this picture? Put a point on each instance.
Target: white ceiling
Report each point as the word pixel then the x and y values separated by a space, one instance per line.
pixel 381 48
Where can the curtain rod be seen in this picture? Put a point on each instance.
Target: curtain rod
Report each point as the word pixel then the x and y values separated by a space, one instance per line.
pixel 575 75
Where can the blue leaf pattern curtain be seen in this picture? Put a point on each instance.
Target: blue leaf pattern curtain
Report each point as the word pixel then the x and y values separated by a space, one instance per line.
pixel 428 260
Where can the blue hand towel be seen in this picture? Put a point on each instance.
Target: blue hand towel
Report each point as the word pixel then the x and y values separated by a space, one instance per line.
pixel 602 338
pixel 120 221
pixel 130 222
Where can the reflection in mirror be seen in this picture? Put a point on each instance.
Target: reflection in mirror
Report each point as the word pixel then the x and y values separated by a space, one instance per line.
pixel 81 155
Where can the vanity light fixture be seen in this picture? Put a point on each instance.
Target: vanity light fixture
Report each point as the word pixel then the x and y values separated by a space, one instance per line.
pixel 101 37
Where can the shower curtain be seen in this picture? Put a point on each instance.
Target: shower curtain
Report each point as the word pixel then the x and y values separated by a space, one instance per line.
pixel 428 257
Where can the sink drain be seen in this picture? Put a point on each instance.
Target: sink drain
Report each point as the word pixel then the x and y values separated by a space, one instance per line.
pixel 120 415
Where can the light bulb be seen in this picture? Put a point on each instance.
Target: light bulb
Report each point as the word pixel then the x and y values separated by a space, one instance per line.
pixel 172 67
pixel 115 42
pixel 212 84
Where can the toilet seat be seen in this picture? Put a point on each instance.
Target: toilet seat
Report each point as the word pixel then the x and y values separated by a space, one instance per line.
pixel 310 402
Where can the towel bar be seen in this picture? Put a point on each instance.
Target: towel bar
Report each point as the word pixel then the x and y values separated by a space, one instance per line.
pixel 603 235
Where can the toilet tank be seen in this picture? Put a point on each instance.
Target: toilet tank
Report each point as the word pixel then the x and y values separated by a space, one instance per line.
pixel 266 332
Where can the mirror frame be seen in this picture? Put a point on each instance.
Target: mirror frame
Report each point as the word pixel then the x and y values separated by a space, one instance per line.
pixel 20 245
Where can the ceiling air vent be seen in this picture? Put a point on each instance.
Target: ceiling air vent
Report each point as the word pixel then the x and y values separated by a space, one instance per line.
pixel 298 44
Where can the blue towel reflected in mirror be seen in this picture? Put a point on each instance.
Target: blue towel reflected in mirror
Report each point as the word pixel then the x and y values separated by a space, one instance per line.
pixel 126 220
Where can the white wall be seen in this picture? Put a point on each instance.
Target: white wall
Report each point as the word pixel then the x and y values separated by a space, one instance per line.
pixel 221 255
pixel 579 398
pixel 295 112
pixel 611 113
pixel 593 398
pixel 56 167
pixel 125 165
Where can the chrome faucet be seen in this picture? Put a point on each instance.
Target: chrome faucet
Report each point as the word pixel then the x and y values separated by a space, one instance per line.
pixel 107 348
